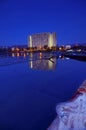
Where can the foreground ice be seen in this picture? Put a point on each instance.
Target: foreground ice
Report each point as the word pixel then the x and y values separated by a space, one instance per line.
pixel 72 115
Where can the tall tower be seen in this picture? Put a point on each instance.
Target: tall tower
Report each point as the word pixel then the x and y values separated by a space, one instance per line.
pixel 30 41
pixel 50 41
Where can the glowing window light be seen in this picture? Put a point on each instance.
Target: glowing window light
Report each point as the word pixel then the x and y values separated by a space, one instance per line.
pixel 50 44
pixel 30 41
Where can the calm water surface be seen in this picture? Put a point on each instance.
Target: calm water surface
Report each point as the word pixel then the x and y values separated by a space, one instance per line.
pixel 32 86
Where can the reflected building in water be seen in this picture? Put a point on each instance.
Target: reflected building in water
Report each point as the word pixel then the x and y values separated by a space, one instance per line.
pixel 42 61
pixel 38 61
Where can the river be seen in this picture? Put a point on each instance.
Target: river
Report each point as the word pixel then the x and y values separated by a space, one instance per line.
pixel 31 87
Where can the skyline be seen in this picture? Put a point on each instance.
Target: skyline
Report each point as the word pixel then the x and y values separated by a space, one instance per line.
pixel 20 19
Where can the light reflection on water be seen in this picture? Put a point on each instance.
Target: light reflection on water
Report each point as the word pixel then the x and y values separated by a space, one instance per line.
pixel 29 94
pixel 40 61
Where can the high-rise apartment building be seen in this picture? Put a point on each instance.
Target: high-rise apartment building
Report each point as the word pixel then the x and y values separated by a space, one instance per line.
pixel 42 39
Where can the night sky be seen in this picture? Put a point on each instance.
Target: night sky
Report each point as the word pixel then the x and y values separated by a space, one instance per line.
pixel 19 18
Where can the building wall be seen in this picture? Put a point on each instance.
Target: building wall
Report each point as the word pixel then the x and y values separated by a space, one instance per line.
pixel 42 39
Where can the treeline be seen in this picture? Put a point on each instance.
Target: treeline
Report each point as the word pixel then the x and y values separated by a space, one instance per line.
pixel 82 47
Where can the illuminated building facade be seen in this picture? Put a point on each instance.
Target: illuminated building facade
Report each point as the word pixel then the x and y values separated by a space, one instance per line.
pixel 41 40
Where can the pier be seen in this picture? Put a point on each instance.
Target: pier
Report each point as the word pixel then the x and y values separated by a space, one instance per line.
pixel 81 56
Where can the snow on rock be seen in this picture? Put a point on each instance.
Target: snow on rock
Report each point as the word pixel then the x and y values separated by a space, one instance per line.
pixel 72 115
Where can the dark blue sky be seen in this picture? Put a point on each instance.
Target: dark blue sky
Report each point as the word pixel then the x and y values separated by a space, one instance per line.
pixel 19 18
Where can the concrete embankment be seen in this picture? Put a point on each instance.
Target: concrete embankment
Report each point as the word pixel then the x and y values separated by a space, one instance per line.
pixel 71 115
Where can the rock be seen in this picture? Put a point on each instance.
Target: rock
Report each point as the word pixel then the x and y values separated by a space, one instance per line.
pixel 72 115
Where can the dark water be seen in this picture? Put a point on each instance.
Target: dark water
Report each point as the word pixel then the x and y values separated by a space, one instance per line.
pixel 31 87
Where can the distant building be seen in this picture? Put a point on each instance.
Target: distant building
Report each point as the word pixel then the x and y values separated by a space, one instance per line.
pixel 41 40
pixel 68 47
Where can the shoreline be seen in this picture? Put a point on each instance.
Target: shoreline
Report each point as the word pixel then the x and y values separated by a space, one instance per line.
pixel 71 114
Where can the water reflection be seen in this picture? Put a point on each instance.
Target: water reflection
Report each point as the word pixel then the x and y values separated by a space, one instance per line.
pixel 18 54
pixel 42 61
pixel 27 93
pixel 13 58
